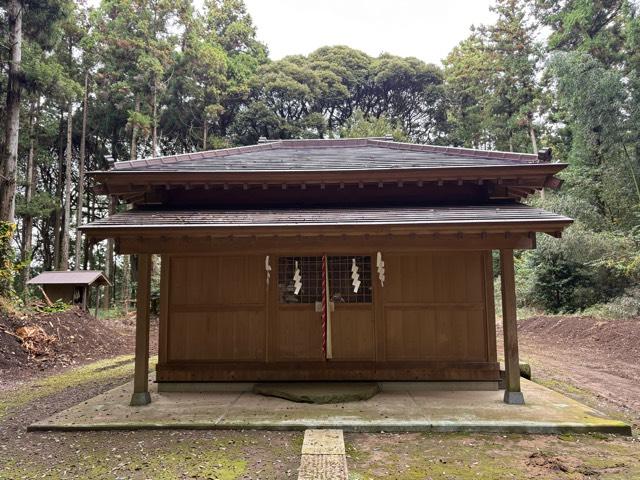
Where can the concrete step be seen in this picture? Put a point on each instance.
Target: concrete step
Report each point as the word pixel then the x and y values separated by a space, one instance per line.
pixel 323 456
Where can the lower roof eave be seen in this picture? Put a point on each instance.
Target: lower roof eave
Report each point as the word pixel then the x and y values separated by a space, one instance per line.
pixel 553 227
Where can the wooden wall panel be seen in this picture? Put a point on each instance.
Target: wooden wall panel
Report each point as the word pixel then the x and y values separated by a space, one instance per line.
pixel 219 336
pixel 59 292
pixel 296 334
pixel 431 317
pixel 353 332
pixel 200 280
pixel 434 307
pixel 416 334
pixel 217 309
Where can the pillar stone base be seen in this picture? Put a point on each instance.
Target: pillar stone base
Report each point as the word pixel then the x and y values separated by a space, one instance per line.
pixel 139 399
pixel 513 398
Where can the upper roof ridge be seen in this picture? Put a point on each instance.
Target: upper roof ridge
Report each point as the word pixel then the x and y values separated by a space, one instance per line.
pixel 329 143
pixel 472 152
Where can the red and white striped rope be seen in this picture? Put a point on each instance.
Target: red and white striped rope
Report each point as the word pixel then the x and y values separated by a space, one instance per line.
pixel 325 302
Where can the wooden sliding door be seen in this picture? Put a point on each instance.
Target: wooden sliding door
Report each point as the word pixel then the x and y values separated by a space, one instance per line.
pixel 297 326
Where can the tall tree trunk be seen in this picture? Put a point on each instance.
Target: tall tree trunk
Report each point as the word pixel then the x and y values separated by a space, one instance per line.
pixel 134 133
pixel 27 222
pixel 81 168
pixel 9 158
pixel 204 134
pixel 126 283
pixel 57 223
pixel 109 269
pixel 154 135
pixel 47 250
pixel 126 266
pixel 64 258
pixel 532 134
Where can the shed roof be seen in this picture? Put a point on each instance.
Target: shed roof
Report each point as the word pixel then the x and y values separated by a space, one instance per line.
pixel 327 155
pixel 80 277
pixel 505 215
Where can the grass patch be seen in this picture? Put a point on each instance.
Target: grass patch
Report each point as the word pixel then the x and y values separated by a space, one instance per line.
pixel 197 460
pixel 464 456
pixel 100 371
pixel 561 387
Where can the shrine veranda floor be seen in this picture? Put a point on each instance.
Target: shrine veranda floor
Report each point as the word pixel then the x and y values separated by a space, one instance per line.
pixel 410 410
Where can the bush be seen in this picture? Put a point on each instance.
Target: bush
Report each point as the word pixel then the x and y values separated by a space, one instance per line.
pixel 625 306
pixel 56 307
pixel 583 269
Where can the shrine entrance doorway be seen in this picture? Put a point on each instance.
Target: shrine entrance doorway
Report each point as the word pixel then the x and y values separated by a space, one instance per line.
pixel 324 309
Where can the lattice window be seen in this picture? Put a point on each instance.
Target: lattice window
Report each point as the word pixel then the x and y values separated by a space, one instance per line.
pixel 340 282
pixel 311 271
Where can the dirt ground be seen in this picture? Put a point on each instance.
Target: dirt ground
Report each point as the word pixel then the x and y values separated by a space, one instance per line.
pixel 458 456
pixel 594 361
pixel 77 338
pixel 223 455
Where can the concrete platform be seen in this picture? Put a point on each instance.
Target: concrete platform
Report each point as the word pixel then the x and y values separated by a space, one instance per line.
pixel 402 410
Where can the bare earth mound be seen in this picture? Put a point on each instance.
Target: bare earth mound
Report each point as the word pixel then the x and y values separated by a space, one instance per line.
pixel 599 356
pixel 58 340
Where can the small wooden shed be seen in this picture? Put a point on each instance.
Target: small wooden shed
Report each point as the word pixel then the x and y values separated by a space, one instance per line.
pixel 70 286
pixel 358 259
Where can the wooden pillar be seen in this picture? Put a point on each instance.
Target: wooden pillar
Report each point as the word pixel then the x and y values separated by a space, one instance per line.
pixel 97 305
pixel 512 392
pixel 85 291
pixel 140 382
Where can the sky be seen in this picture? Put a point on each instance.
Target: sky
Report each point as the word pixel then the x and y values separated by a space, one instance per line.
pixel 426 29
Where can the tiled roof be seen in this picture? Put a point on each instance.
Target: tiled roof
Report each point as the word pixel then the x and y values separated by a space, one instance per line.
pixel 322 155
pixel 310 217
pixel 80 277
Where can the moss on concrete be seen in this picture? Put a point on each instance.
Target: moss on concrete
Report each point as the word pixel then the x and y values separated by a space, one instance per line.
pixel 559 386
pixel 100 371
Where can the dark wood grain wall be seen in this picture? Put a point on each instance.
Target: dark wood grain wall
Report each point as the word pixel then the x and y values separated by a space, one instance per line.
pixel 432 320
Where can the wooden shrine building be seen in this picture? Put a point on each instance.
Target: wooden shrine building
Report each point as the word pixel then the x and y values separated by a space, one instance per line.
pixel 302 260
pixel 70 286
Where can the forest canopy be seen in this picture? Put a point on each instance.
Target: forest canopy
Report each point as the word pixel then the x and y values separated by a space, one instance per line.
pixel 128 79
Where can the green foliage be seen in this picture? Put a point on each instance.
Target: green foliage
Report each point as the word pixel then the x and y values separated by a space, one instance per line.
pixel 582 269
pixel 139 120
pixel 315 96
pixel 200 79
pixel 602 175
pixel 592 26
pixel 513 104
pixel 57 307
pixel 41 205
pixel 358 126
pixel 491 83
pixel 9 267
pixel 467 73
